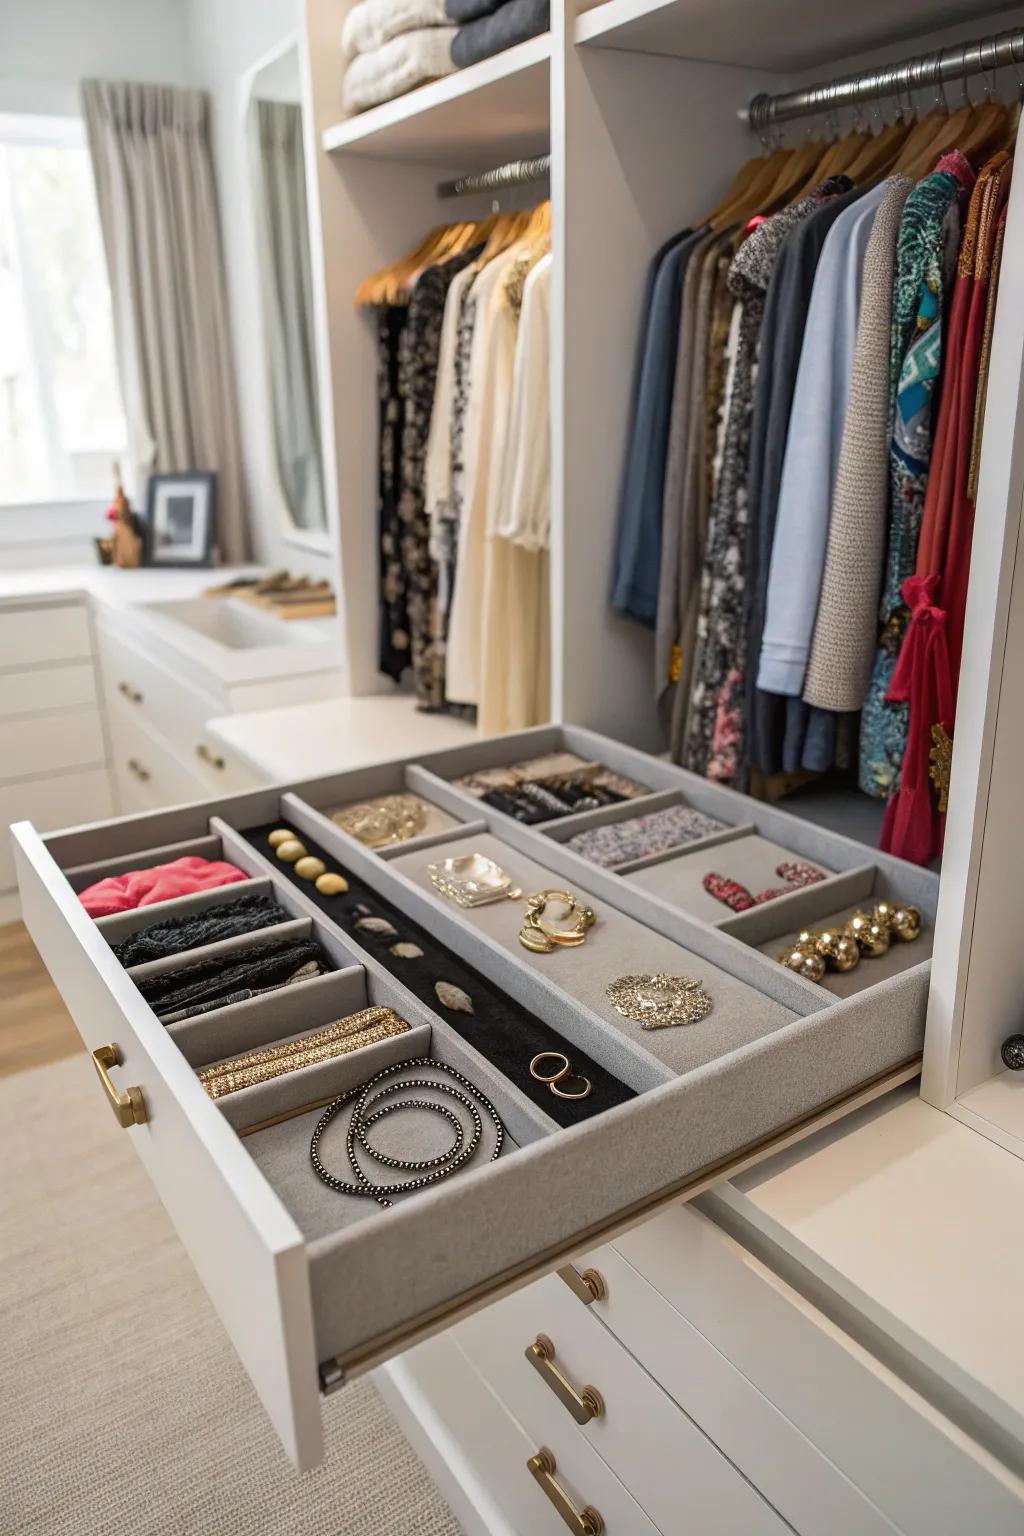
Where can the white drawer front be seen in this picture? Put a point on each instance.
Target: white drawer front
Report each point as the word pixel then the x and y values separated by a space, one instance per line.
pixel 50 803
pixel 220 771
pixel 38 689
pixel 916 1467
pixel 36 744
pixel 671 1468
pixel 161 701
pixel 149 776
pixel 246 1248
pixel 47 633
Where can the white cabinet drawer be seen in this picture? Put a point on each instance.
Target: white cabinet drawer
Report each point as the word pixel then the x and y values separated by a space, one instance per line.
pixel 46 633
pixel 37 689
pixel 692 1487
pixel 163 703
pixel 39 744
pixel 911 1463
pixel 149 776
pixel 49 803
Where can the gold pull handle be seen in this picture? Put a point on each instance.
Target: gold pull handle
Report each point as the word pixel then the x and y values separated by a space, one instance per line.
pixel 584 1405
pixel 209 756
pixel 129 1107
pixel 588 1286
pixel 138 770
pixel 131 694
pixel 585 1521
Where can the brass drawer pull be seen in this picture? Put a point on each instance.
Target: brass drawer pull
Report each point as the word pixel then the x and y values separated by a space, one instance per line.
pixel 138 770
pixel 584 1405
pixel 131 694
pixel 588 1286
pixel 208 755
pixel 585 1521
pixel 129 1107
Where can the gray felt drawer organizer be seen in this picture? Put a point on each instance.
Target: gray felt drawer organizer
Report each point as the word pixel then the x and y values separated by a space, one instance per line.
pixel 775 1050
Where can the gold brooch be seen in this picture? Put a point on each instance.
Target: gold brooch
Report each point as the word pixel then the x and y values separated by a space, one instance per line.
pixel 541 935
pixel 385 820
pixel 660 1001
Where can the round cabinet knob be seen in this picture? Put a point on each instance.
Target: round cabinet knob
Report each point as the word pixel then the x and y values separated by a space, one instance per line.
pixel 1012 1052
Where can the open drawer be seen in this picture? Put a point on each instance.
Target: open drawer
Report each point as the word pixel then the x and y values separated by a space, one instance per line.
pixel 310 1298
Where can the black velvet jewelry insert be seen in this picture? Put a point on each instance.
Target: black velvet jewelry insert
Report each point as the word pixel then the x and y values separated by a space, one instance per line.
pixel 503 1032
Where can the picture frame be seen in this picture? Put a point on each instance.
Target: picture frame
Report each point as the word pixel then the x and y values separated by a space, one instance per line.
pixel 180 519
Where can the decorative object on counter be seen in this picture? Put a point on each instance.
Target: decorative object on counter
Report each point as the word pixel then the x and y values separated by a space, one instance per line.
pixel 282 594
pixel 637 837
pixel 291 851
pixel 331 884
pixel 179 523
pixel 350 1034
pixel 660 1001
pixel 124 547
pixel 383 820
pixel 561 1080
pixel 174 935
pixel 161 882
pixel 219 980
pixel 370 1108
pixel 1012 1053
pixel 309 868
pixel 473 880
pixel 739 899
pixel 505 1032
pixel 865 934
pixel 542 936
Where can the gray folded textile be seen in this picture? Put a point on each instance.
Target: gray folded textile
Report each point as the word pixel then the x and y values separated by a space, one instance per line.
pixel 469 10
pixel 511 23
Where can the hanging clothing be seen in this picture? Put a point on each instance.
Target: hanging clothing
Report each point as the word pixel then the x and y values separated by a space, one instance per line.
pixel 716 724
pixel 927 673
pixel 635 590
pixel 843 645
pixel 928 231
pixel 393 648
pixel 417 376
pixel 782 334
pixel 515 684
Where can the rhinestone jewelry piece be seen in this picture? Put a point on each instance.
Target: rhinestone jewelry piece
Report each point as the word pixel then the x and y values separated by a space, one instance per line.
pixel 385 820
pixel 473 880
pixel 659 1001
pixel 339 1039
pixel 370 1108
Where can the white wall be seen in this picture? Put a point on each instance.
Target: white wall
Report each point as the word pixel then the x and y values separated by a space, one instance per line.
pixel 227 38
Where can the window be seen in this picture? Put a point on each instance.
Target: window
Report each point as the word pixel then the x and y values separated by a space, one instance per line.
pixel 61 418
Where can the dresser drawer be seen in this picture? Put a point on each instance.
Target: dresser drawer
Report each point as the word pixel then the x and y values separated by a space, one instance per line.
pixel 162 702
pixel 40 744
pixel 58 632
pixel 149 776
pixel 918 1469
pixel 37 689
pixel 352 1290
pixel 691 1488
pixel 49 803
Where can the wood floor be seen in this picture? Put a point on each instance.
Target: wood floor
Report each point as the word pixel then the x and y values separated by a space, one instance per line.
pixel 35 1027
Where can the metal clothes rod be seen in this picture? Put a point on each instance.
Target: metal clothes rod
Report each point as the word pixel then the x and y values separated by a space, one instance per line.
pixel 955 63
pixel 516 173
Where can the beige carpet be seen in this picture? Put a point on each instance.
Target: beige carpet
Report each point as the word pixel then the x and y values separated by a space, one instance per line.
pixel 122 1406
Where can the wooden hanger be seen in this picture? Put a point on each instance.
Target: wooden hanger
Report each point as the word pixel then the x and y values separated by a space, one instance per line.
pixel 756 195
pixel 372 289
pixel 880 153
pixel 759 166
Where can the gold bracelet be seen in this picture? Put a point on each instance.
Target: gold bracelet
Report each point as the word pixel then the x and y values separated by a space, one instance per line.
pixel 350 1034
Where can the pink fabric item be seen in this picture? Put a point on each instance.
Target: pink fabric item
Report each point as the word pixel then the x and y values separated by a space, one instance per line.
pixel 143 887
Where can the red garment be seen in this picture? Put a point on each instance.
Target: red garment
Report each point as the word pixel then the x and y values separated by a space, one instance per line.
pixel 144 887
pixel 928 670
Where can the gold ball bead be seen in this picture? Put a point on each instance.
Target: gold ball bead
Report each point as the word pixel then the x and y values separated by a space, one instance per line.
pixel 906 924
pixel 282 835
pixel 827 942
pixel 807 938
pixel 858 925
pixel 291 851
pixel 331 884
pixel 805 962
pixel 885 911
pixel 875 940
pixel 309 868
pixel 846 956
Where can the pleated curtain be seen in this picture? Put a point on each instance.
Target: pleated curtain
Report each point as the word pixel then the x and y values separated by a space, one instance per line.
pixel 152 162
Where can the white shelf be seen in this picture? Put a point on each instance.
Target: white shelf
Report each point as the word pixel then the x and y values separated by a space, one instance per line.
pixel 497 109
pixel 762 34
pixel 996 1109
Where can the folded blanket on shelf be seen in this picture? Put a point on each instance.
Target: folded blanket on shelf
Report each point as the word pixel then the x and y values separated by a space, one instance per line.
pixel 511 23
pixel 469 10
pixel 372 23
pixel 399 66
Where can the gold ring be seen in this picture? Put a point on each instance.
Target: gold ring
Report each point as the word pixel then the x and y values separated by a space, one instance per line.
pixel 550 1056
pixel 560 1093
